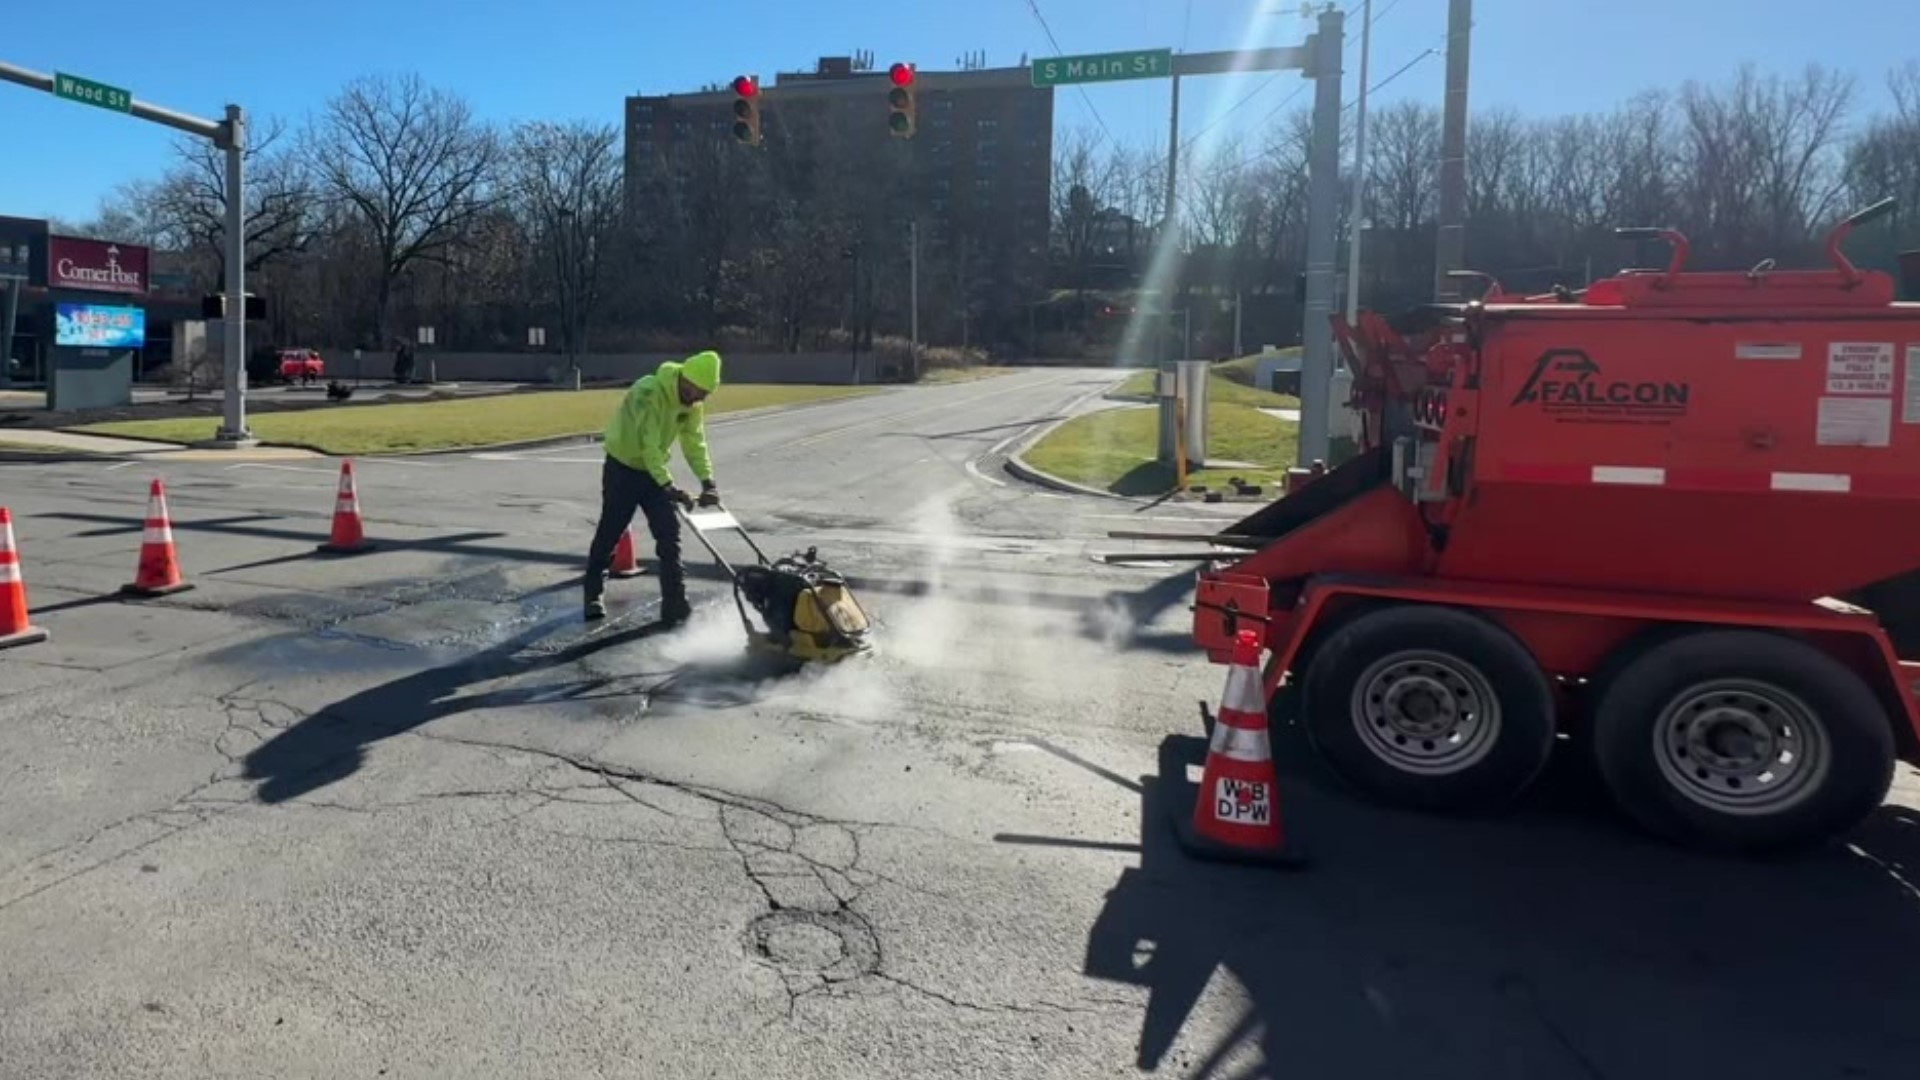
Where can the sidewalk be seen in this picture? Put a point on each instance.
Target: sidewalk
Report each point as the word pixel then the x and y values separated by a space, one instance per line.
pixel 75 443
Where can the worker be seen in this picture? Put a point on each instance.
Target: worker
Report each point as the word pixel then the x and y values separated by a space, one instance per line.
pixel 657 410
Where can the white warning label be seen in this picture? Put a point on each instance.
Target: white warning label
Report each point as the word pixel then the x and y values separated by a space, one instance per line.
pixel 1244 802
pixel 1860 367
pixel 1855 422
pixel 1910 408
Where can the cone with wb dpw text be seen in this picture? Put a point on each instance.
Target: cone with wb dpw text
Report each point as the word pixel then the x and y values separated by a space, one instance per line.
pixel 14 627
pixel 1237 815
pixel 626 562
pixel 159 571
pixel 349 533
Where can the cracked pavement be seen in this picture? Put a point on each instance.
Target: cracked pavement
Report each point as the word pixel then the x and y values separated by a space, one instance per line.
pixel 404 815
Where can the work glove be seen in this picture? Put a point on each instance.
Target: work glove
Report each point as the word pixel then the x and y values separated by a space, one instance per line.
pixel 709 494
pixel 680 498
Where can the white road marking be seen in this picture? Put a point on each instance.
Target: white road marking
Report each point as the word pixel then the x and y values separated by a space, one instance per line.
pixel 121 465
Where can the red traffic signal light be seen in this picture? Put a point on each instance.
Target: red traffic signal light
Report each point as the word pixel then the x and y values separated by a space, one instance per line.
pixel 901 112
pixel 746 110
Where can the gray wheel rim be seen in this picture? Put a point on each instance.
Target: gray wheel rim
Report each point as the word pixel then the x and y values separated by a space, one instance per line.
pixel 1426 712
pixel 1741 746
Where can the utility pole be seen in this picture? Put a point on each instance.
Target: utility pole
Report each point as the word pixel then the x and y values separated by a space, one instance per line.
pixel 913 298
pixel 1323 247
pixel 1173 159
pixel 1451 251
pixel 1359 167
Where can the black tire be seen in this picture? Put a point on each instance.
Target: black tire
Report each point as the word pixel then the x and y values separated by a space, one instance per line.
pixel 1482 691
pixel 1698 741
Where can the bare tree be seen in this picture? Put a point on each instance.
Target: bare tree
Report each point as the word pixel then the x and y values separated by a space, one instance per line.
pixel 563 181
pixel 412 162
pixel 1885 159
pixel 188 204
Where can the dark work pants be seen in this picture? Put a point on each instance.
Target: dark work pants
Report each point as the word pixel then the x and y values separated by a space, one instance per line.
pixel 622 491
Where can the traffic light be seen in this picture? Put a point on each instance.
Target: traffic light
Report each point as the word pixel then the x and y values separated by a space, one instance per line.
pixel 746 110
pixel 900 120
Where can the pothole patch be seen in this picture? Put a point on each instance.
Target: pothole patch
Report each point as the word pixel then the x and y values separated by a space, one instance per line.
pixel 835 945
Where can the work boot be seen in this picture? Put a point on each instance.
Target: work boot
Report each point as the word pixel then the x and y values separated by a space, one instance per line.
pixel 596 609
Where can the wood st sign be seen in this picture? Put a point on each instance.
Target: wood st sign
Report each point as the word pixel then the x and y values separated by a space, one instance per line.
pixel 96 266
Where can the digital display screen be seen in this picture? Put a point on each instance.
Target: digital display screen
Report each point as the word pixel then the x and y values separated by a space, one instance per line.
pixel 92 326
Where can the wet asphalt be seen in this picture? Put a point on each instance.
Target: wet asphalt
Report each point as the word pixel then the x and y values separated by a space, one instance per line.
pixel 403 814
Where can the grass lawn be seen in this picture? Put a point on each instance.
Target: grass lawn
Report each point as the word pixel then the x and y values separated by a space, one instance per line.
pixel 1114 449
pixel 445 425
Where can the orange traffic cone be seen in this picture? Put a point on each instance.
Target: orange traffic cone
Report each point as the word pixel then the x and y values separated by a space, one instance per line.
pixel 14 627
pixel 625 563
pixel 349 532
pixel 159 570
pixel 1237 816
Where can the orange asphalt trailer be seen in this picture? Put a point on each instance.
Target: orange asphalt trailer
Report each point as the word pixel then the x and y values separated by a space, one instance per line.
pixel 1621 514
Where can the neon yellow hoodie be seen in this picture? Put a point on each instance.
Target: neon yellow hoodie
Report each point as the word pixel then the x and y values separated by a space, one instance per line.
pixel 649 419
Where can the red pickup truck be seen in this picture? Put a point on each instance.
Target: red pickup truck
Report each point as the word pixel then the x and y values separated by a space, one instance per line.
pixel 303 366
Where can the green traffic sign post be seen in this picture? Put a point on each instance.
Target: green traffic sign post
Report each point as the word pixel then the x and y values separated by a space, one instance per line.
pixel 88 92
pixel 1103 67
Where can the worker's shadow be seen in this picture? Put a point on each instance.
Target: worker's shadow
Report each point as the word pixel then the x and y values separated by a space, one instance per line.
pixel 330 744
pixel 1554 942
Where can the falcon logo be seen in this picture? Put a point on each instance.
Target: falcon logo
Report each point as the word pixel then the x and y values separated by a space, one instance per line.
pixel 1570 384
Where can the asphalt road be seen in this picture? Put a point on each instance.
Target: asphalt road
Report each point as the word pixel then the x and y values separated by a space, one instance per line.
pixel 401 814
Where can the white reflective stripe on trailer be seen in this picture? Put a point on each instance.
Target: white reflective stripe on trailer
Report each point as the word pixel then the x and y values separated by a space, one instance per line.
pixel 1803 481
pixel 1629 474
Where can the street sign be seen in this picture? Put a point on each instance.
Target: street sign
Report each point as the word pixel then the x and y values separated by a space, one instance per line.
pixel 88 92
pixel 1103 67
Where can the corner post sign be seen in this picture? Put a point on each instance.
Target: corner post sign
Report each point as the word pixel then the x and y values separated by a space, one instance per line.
pixel 88 92
pixel 1103 67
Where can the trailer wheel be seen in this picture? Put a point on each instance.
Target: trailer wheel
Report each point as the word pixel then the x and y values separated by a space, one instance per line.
pixel 1431 707
pixel 1742 741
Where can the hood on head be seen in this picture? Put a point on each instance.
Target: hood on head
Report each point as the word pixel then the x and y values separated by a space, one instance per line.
pixel 703 370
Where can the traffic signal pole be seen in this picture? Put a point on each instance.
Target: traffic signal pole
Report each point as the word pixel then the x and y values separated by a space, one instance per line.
pixel 230 136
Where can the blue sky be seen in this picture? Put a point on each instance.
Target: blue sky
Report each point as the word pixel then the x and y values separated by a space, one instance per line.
pixel 579 58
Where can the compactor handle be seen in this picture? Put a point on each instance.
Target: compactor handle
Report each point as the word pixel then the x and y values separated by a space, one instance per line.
pixel 1838 236
pixel 1676 263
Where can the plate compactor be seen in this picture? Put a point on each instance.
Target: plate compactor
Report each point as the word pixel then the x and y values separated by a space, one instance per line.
pixel 806 610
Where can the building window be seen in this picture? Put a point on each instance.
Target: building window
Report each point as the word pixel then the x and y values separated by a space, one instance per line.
pixel 985 126
pixel 939 121
pixel 983 186
pixel 644 112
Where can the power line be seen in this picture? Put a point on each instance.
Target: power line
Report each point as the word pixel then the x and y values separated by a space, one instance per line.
pixel 1034 6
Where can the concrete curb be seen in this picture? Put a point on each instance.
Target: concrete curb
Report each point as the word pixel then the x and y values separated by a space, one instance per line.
pixel 1019 467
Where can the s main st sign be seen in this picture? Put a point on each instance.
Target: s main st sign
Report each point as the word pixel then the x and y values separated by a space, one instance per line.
pixel 96 266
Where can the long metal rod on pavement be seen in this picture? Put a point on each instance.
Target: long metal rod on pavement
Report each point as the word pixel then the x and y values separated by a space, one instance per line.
pixel 228 135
